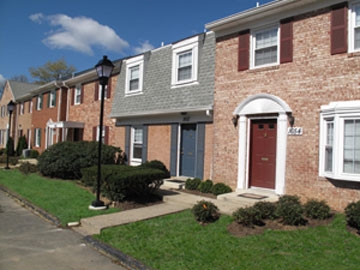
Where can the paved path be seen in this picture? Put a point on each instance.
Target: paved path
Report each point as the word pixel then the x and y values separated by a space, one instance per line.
pixel 29 242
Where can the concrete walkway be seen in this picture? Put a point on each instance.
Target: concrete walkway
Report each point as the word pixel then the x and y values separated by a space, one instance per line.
pixel 174 201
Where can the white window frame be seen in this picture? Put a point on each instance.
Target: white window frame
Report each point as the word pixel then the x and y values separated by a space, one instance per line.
pixel 256 31
pixel 31 106
pixel 52 97
pixel 102 135
pixel 135 161
pixel 191 44
pixel 37 137
pixel 105 91
pixel 131 63
pixel 352 25
pixel 77 94
pixel 338 113
pixel 39 102
pixel 21 108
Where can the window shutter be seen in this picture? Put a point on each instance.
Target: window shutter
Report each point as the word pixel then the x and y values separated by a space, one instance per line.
pixel 96 97
pixel 244 50
pixel 106 139
pixel 72 93
pixel 108 92
pixel 286 41
pixel 82 94
pixel 145 144
pixel 48 99
pixel 339 29
pixel 127 142
pixel 94 133
pixel 55 98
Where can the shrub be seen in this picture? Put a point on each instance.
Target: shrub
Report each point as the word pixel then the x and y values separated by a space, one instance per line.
pixel 220 188
pixel 66 159
pixel 124 182
pixel 192 183
pixel 266 209
pixel 10 147
pixel 12 160
pixel 21 145
pixel 27 168
pixel 34 154
pixel 205 186
pixel 352 213
pixel 205 211
pixel 248 216
pixel 290 210
pixel 156 164
pixel 317 209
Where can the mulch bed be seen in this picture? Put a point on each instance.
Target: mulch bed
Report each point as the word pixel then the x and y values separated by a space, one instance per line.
pixel 198 193
pixel 138 203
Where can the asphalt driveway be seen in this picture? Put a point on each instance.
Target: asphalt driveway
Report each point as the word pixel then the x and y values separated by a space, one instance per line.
pixel 29 242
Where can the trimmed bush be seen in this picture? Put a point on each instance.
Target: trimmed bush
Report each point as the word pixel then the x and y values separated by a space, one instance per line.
pixel 12 160
pixel 267 210
pixel 248 216
pixel 124 182
pixel 34 154
pixel 290 210
pixel 205 211
pixel 316 209
pixel 27 168
pixel 21 145
pixel 352 212
pixel 205 186
pixel 9 150
pixel 220 188
pixel 156 164
pixel 66 159
pixel 192 183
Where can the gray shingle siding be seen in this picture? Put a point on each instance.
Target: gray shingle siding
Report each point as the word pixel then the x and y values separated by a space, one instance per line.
pixel 158 96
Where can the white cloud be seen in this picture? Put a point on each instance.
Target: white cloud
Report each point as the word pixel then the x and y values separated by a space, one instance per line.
pixel 37 17
pixel 144 47
pixel 80 34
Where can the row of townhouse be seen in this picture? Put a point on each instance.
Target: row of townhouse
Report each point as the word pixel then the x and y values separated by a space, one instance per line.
pixel 268 99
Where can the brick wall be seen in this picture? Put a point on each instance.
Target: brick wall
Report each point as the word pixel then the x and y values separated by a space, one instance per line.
pixel 159 139
pixel 4 119
pixel 314 78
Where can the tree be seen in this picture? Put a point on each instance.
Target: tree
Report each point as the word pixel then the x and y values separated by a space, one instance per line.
pixel 51 71
pixel 20 78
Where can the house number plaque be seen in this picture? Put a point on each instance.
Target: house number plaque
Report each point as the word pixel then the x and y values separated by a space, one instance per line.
pixel 295 131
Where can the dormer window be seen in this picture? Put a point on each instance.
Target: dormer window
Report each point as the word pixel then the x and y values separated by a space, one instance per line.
pixel 185 62
pixel 134 75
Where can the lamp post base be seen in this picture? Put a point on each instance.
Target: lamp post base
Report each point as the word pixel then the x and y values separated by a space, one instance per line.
pixel 97 205
pixel 7 168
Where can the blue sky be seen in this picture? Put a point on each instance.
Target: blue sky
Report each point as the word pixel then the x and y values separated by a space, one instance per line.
pixel 33 32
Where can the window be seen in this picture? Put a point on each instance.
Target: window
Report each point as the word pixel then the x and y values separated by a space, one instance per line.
pixel 185 61
pixel 39 101
pixel 22 108
pixel 102 135
pixel 105 91
pixel 2 136
pixel 52 99
pixel 30 106
pixel 340 141
pixel 37 137
pixel 354 27
pixel 136 145
pixel 134 75
pixel 3 111
pixel 265 47
pixel 77 94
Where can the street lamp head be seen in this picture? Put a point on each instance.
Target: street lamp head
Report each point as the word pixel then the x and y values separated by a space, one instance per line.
pixel 104 68
pixel 11 106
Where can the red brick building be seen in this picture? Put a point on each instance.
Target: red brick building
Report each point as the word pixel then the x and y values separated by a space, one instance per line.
pixel 280 62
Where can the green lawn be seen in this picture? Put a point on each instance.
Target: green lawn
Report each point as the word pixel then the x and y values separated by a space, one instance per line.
pixel 63 199
pixel 178 242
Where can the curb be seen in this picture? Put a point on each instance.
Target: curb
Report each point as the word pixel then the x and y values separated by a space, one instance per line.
pixel 125 260
pixel 101 247
pixel 37 210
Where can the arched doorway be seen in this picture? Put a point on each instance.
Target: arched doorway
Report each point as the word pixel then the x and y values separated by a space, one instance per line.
pixel 263 121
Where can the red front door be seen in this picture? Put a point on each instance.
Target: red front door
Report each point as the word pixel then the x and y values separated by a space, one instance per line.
pixel 263 153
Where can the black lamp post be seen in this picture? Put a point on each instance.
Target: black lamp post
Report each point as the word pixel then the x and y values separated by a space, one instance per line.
pixel 103 69
pixel 10 108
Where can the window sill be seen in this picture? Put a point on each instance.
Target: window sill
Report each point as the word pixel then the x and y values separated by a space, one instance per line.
pixel 264 68
pixel 136 93
pixel 342 177
pixel 185 84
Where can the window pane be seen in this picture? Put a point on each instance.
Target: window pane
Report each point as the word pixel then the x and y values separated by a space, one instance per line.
pixel 137 151
pixel 185 66
pixel 352 146
pixel 134 85
pixel 329 147
pixel 266 43
pixel 134 72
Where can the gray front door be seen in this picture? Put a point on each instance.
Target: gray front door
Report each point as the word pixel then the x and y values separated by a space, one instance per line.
pixel 188 150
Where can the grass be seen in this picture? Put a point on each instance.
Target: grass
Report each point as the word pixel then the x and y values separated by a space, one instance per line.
pixel 178 242
pixel 63 199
